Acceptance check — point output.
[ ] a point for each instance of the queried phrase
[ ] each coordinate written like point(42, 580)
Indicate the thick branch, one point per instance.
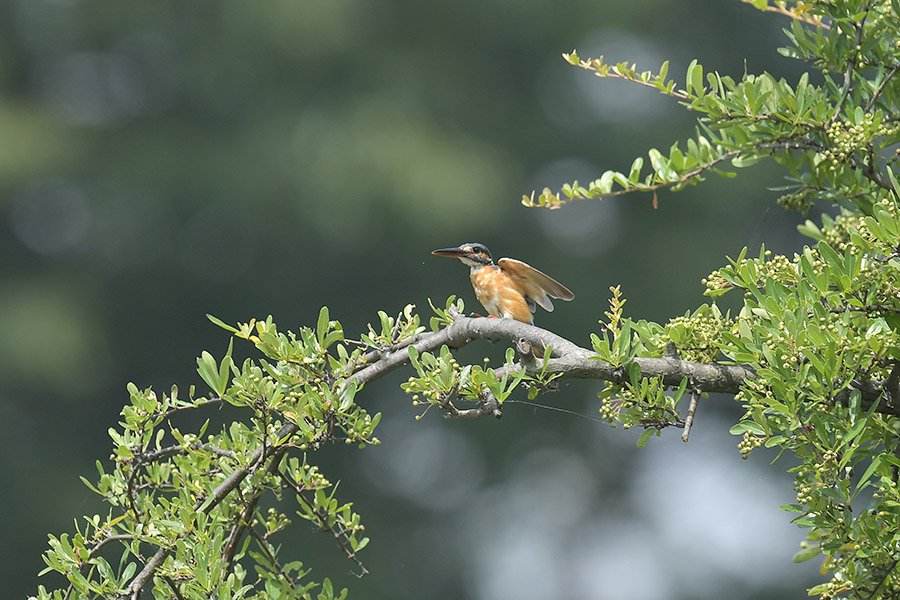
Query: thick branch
point(570, 360)
point(146, 574)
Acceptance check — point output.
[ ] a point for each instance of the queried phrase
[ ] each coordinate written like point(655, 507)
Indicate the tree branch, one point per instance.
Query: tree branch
point(148, 457)
point(568, 360)
point(207, 504)
point(146, 574)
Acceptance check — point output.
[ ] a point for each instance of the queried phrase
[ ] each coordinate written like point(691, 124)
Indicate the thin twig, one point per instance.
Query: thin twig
point(884, 577)
point(684, 178)
point(891, 386)
point(193, 406)
point(851, 65)
point(148, 457)
point(119, 537)
point(782, 143)
point(265, 548)
point(689, 419)
point(323, 523)
point(174, 587)
point(783, 10)
point(878, 90)
point(597, 66)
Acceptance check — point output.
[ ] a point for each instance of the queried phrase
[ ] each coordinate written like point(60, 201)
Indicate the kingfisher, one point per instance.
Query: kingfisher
point(510, 288)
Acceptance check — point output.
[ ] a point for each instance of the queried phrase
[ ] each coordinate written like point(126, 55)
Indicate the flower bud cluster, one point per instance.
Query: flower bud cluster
point(612, 408)
point(749, 443)
point(800, 201)
point(776, 266)
point(701, 335)
point(846, 138)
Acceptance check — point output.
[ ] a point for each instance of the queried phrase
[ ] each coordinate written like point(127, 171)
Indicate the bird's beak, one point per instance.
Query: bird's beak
point(452, 252)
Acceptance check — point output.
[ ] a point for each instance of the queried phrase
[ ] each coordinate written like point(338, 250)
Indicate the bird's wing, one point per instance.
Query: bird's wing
point(536, 286)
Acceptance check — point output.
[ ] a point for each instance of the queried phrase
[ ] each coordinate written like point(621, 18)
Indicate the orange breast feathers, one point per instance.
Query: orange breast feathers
point(512, 289)
point(499, 295)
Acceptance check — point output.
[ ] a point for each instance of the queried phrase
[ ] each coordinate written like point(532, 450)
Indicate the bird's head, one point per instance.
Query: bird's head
point(472, 254)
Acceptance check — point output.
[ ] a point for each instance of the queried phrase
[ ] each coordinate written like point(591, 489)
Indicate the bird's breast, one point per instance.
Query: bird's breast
point(499, 294)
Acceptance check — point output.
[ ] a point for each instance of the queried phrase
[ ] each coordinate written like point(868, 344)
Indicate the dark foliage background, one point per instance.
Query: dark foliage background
point(164, 160)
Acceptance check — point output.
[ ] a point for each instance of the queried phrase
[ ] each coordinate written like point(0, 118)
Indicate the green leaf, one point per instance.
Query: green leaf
point(833, 259)
point(221, 323)
point(349, 393)
point(634, 373)
point(322, 326)
point(90, 485)
point(864, 480)
point(775, 440)
point(807, 553)
point(224, 373)
point(811, 230)
point(634, 175)
point(645, 437)
point(605, 182)
point(206, 367)
point(743, 427)
point(746, 160)
point(694, 79)
point(893, 321)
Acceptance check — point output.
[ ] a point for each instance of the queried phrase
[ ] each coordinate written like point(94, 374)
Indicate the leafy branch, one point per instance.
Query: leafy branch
point(804, 127)
point(800, 11)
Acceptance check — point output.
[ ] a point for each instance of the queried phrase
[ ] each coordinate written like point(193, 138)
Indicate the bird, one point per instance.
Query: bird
point(510, 288)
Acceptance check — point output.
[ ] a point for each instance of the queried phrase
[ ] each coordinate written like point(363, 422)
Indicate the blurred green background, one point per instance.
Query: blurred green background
point(163, 160)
